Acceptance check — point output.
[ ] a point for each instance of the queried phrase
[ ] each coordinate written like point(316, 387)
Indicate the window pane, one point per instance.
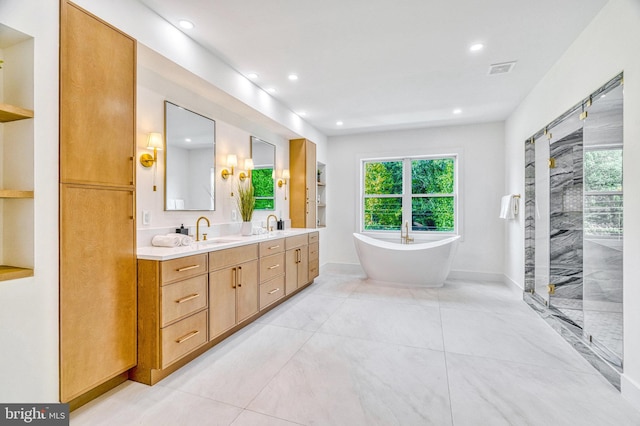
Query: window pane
point(382, 213)
point(432, 214)
point(603, 170)
point(264, 204)
point(383, 177)
point(603, 215)
point(432, 176)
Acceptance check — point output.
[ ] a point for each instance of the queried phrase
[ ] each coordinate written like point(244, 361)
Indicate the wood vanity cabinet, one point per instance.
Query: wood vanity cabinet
point(314, 255)
point(297, 262)
point(272, 272)
point(173, 311)
point(233, 287)
point(302, 185)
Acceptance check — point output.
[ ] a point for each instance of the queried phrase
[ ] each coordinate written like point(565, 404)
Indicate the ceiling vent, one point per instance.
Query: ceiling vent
point(501, 68)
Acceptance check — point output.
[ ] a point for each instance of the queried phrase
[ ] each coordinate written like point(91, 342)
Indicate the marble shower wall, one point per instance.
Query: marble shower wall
point(566, 223)
point(530, 216)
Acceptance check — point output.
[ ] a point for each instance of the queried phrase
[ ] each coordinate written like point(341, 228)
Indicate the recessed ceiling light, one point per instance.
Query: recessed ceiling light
point(271, 90)
point(603, 96)
point(457, 111)
point(339, 123)
point(252, 75)
point(187, 25)
point(187, 140)
point(293, 77)
point(476, 47)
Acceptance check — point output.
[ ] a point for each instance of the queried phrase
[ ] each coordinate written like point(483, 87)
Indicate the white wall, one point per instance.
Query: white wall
point(481, 187)
point(29, 306)
point(610, 44)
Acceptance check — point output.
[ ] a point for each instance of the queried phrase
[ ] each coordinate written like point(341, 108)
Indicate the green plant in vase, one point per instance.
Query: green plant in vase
point(246, 203)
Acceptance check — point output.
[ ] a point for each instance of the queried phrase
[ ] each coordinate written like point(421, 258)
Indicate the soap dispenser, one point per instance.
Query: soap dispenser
point(182, 230)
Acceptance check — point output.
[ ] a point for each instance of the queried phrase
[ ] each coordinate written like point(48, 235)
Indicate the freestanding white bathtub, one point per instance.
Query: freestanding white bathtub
point(424, 264)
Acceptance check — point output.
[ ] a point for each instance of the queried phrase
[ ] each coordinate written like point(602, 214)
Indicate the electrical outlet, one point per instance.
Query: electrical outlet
point(146, 217)
point(234, 215)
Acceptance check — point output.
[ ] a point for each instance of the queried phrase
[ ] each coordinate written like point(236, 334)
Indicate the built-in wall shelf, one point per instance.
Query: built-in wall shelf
point(12, 113)
point(13, 272)
point(321, 203)
point(12, 193)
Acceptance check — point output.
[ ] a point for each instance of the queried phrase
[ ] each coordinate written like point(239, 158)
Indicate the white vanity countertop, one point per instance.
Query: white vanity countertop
point(213, 244)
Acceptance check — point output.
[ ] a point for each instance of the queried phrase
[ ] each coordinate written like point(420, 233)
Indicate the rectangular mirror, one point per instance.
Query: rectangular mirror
point(190, 159)
point(263, 175)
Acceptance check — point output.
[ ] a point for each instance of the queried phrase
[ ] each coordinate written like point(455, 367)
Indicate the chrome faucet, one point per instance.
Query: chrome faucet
point(405, 238)
point(268, 219)
point(198, 228)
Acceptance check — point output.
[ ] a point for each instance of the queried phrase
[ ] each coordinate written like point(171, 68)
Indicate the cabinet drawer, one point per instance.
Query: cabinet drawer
point(314, 237)
point(223, 258)
point(271, 266)
point(314, 251)
point(271, 247)
point(183, 298)
point(182, 337)
point(297, 241)
point(184, 267)
point(271, 291)
point(314, 269)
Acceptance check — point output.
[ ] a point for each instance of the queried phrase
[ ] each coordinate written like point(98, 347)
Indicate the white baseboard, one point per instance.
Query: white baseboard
point(474, 275)
point(630, 390)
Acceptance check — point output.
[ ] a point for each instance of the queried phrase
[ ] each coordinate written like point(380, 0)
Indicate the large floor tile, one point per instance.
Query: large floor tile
point(336, 286)
point(510, 338)
point(340, 381)
point(136, 404)
point(307, 312)
point(410, 325)
point(251, 418)
point(235, 370)
point(489, 392)
point(483, 296)
point(396, 292)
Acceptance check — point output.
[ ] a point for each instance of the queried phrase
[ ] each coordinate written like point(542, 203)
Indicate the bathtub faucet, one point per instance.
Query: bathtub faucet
point(405, 238)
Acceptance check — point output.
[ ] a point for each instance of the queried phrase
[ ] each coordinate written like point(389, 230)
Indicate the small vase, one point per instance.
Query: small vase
point(246, 228)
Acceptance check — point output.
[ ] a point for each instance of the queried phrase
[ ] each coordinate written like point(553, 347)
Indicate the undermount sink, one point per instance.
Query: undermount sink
point(217, 241)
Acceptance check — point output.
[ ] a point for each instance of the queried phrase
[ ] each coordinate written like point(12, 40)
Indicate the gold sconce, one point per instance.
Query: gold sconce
point(232, 162)
point(248, 166)
point(283, 181)
point(154, 141)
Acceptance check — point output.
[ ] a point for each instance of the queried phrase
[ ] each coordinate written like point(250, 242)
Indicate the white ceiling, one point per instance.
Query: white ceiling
point(376, 64)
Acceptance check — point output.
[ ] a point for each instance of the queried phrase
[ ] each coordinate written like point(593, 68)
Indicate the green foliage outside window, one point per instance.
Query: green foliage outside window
point(431, 198)
point(262, 180)
point(603, 187)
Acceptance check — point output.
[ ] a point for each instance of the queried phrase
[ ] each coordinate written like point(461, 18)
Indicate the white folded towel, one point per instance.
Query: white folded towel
point(171, 240)
point(185, 240)
point(166, 241)
point(509, 207)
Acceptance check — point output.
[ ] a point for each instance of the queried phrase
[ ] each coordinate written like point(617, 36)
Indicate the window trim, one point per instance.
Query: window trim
point(407, 196)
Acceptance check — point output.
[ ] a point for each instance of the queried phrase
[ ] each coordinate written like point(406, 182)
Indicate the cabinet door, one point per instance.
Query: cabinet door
point(303, 266)
point(291, 279)
point(222, 301)
point(97, 101)
point(311, 177)
point(97, 287)
point(247, 290)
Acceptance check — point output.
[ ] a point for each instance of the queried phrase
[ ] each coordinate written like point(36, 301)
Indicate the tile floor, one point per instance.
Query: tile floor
point(347, 351)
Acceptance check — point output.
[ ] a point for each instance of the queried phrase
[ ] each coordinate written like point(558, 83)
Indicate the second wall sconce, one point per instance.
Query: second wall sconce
point(283, 181)
point(155, 142)
point(232, 162)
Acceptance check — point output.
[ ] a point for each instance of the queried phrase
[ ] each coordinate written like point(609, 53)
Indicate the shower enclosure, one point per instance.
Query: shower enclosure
point(574, 229)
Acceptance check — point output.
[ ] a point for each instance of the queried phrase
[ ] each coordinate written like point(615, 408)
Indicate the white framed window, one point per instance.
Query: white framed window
point(420, 190)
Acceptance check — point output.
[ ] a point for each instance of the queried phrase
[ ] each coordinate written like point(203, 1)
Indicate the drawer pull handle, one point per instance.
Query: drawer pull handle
point(274, 266)
point(187, 336)
point(274, 247)
point(274, 291)
point(187, 268)
point(187, 298)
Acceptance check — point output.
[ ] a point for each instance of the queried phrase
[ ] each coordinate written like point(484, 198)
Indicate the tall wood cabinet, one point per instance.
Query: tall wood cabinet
point(97, 205)
point(302, 186)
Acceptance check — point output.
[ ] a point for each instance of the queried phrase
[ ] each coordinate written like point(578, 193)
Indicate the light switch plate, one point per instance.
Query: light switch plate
point(146, 217)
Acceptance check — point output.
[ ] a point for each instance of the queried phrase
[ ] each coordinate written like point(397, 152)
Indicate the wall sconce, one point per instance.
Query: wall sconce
point(283, 181)
point(155, 142)
point(232, 162)
point(248, 166)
